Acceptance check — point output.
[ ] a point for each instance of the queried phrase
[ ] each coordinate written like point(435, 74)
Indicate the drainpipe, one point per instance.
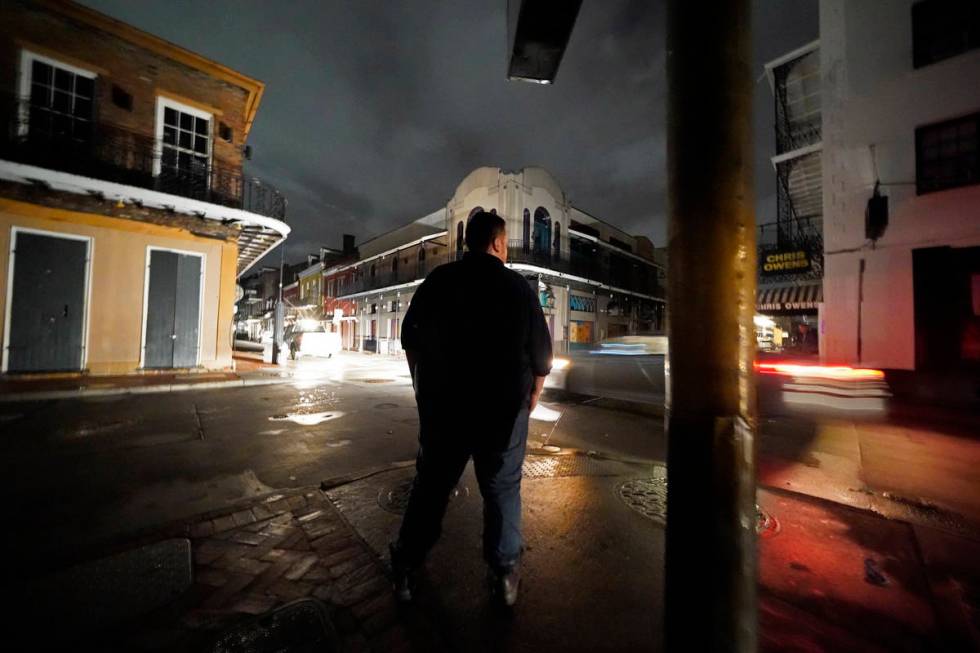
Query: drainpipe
point(710, 413)
point(278, 315)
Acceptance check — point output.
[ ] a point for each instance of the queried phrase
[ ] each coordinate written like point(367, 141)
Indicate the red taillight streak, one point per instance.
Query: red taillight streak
point(820, 371)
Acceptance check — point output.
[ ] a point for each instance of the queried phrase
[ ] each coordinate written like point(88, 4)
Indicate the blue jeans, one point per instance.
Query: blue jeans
point(439, 464)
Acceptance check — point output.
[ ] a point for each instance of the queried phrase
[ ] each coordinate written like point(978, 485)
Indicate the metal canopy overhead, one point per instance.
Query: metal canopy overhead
point(257, 233)
point(538, 32)
point(254, 242)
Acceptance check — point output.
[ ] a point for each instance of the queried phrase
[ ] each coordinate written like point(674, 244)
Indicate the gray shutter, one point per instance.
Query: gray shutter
point(187, 310)
point(160, 310)
point(47, 304)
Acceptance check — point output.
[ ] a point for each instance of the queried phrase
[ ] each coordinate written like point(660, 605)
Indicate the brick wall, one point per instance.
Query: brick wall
point(86, 204)
point(142, 73)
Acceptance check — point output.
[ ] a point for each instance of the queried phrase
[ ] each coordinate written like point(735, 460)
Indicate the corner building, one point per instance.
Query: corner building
point(594, 281)
point(125, 216)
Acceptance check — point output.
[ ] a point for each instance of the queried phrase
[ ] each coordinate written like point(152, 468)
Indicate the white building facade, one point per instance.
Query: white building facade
point(900, 90)
point(594, 281)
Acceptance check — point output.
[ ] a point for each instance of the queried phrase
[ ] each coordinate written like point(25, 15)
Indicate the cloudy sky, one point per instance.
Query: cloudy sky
point(375, 110)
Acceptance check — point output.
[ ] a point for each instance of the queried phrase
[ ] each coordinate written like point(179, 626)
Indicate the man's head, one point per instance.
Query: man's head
point(487, 232)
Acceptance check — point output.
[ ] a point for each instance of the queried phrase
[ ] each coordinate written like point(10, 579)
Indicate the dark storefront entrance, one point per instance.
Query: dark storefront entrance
point(47, 303)
point(947, 308)
point(173, 310)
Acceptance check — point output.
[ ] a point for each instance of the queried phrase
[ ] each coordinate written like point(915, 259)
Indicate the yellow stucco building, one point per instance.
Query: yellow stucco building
point(125, 218)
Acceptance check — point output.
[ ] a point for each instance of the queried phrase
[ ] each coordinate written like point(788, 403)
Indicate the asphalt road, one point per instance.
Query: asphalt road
point(87, 471)
point(90, 469)
point(94, 470)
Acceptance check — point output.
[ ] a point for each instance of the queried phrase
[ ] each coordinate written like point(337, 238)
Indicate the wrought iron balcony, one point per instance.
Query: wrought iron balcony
point(111, 153)
point(597, 264)
point(601, 265)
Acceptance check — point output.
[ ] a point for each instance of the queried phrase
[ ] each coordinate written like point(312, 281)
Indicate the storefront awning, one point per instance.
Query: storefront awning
point(796, 298)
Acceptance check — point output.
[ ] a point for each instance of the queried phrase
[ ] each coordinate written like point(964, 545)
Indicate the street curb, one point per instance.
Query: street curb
point(337, 481)
point(655, 409)
point(138, 390)
point(961, 527)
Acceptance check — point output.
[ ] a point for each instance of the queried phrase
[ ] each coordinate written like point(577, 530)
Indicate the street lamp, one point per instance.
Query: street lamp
point(537, 34)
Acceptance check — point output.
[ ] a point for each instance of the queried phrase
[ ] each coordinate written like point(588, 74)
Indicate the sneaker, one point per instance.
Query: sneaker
point(504, 584)
point(401, 574)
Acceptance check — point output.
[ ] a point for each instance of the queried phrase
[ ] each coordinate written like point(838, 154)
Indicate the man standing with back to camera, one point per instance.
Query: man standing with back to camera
point(478, 348)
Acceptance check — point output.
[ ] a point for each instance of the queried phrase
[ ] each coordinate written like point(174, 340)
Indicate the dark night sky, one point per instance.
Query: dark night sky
point(375, 110)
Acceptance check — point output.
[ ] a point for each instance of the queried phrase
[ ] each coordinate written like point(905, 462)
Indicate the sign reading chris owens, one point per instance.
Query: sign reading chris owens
point(777, 261)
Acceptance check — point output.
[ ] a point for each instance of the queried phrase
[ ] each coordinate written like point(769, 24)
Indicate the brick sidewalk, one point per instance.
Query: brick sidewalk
point(284, 548)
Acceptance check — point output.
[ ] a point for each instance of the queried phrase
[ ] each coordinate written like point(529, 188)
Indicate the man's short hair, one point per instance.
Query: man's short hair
point(482, 229)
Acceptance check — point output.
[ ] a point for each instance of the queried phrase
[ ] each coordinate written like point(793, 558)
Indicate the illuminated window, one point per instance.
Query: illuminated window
point(579, 303)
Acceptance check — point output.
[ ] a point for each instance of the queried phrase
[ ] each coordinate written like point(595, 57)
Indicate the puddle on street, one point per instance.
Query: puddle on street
point(316, 398)
point(306, 419)
point(544, 414)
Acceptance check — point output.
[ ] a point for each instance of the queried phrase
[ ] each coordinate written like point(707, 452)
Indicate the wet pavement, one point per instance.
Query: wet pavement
point(873, 540)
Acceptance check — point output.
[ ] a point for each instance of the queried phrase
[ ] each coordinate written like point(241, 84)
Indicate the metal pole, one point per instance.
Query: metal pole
point(710, 585)
point(279, 314)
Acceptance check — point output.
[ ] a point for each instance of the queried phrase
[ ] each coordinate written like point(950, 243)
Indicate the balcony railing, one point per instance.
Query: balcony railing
point(597, 264)
point(601, 265)
point(384, 276)
point(111, 153)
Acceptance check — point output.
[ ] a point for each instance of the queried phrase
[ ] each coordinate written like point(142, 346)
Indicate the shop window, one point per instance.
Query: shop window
point(580, 303)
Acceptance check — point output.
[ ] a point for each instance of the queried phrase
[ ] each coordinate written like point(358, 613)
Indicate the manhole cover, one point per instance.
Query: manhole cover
point(376, 380)
point(301, 626)
point(647, 496)
point(558, 466)
point(385, 406)
point(394, 498)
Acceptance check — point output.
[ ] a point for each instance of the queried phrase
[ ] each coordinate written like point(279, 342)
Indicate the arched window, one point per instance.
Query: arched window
point(557, 231)
point(372, 270)
point(421, 252)
point(527, 230)
point(542, 230)
point(394, 265)
point(459, 237)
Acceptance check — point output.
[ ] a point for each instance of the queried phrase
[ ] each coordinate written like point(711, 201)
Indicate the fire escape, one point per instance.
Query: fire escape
point(799, 222)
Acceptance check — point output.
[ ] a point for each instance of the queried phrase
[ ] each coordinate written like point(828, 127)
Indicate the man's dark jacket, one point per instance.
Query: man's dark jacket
point(478, 336)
